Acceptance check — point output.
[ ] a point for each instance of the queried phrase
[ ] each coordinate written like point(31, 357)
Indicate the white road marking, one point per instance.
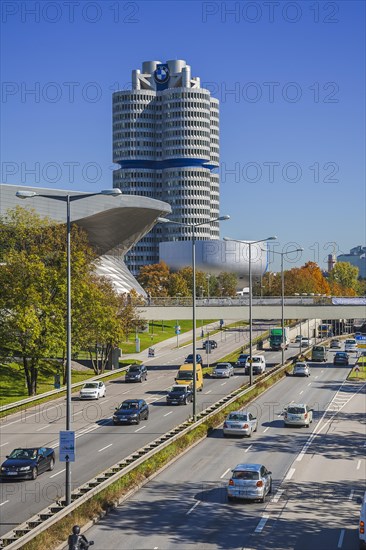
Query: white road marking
point(58, 473)
point(209, 391)
point(309, 384)
point(316, 377)
point(2, 445)
point(2, 503)
point(223, 384)
point(358, 465)
point(302, 391)
point(290, 473)
point(247, 449)
point(153, 400)
point(341, 537)
point(351, 495)
point(74, 414)
point(261, 524)
point(278, 495)
point(106, 447)
point(43, 428)
point(193, 507)
point(167, 414)
point(139, 429)
point(266, 430)
point(224, 474)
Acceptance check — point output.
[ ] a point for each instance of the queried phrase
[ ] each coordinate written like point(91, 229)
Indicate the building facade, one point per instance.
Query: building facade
point(357, 258)
point(166, 142)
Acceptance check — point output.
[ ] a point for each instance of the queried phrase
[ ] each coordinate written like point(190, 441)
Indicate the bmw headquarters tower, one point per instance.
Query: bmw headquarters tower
point(166, 142)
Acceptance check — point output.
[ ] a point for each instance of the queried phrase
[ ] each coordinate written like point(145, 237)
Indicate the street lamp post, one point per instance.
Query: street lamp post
point(250, 244)
point(193, 227)
point(283, 254)
point(67, 199)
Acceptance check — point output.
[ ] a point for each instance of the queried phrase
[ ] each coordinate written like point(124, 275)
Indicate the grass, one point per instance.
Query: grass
point(357, 375)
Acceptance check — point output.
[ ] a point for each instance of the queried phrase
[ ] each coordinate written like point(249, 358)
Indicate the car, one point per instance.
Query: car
point(298, 414)
point(350, 345)
point(335, 344)
point(258, 363)
point(301, 369)
point(136, 373)
point(189, 359)
point(341, 358)
point(211, 343)
point(131, 411)
point(242, 359)
point(92, 390)
point(240, 423)
point(28, 463)
point(180, 394)
point(223, 370)
point(298, 339)
point(249, 481)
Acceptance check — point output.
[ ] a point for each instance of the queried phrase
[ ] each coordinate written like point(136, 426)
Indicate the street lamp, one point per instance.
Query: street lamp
point(68, 199)
point(193, 228)
point(283, 254)
point(250, 244)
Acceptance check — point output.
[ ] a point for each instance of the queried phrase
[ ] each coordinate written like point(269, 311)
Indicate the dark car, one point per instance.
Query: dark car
point(179, 394)
point(131, 411)
point(189, 359)
point(28, 463)
point(211, 343)
point(136, 373)
point(341, 358)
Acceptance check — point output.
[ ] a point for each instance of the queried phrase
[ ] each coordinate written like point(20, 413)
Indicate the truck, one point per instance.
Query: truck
point(275, 338)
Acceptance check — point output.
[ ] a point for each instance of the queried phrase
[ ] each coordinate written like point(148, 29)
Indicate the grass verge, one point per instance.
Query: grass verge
point(355, 375)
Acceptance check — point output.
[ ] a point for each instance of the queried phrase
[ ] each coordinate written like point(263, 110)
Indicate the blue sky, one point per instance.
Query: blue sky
point(289, 76)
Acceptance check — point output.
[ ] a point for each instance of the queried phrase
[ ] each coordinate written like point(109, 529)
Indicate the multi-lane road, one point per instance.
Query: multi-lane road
point(318, 474)
point(100, 444)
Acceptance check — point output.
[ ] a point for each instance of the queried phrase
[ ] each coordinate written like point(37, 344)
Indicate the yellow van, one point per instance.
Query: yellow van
point(185, 375)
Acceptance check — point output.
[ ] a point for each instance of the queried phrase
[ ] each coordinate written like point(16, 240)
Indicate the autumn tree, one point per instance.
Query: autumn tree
point(178, 285)
point(344, 279)
point(154, 278)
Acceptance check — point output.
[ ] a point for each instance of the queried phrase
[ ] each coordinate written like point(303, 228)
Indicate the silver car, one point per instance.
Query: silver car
point(301, 369)
point(298, 414)
point(249, 481)
point(240, 423)
point(223, 370)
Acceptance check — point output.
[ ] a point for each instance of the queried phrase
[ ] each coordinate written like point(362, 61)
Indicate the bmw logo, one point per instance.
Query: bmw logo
point(161, 74)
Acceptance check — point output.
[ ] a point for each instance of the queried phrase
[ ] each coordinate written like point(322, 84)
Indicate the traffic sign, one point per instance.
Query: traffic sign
point(361, 341)
point(356, 369)
point(67, 446)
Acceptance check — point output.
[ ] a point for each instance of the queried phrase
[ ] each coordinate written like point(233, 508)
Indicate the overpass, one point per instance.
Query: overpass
point(164, 309)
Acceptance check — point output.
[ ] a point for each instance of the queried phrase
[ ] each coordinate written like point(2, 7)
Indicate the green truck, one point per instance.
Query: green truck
point(275, 338)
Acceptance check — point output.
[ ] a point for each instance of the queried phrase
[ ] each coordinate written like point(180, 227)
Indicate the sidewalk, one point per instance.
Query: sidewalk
point(171, 343)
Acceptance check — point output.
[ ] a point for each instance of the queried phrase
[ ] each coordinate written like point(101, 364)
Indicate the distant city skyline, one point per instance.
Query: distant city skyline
point(292, 138)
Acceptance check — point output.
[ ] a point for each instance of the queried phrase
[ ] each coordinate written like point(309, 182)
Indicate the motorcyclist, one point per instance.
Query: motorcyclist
point(77, 541)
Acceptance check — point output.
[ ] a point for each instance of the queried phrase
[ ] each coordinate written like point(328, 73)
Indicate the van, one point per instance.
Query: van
point(185, 375)
point(362, 526)
point(319, 353)
point(258, 362)
point(350, 345)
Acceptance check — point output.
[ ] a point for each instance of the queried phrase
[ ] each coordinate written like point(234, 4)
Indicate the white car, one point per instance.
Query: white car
point(298, 414)
point(92, 390)
point(258, 362)
point(350, 345)
point(240, 423)
point(223, 370)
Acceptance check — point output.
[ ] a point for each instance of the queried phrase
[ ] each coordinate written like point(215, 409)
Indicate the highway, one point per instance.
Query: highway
point(316, 480)
point(99, 443)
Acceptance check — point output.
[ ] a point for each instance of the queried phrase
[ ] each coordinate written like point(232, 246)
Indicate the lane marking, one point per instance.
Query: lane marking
point(223, 384)
point(2, 503)
point(43, 428)
point(261, 524)
point(309, 384)
point(278, 495)
point(247, 449)
point(224, 474)
point(139, 429)
point(266, 430)
point(341, 537)
point(290, 473)
point(209, 391)
point(106, 447)
point(351, 495)
point(358, 465)
point(302, 391)
point(167, 414)
point(193, 507)
point(58, 473)
point(2, 445)
point(316, 377)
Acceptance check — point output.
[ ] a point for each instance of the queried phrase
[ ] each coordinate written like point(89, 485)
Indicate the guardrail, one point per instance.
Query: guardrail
point(61, 390)
point(28, 530)
point(306, 299)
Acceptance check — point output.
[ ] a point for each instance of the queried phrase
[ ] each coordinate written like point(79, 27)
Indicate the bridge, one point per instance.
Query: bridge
point(296, 307)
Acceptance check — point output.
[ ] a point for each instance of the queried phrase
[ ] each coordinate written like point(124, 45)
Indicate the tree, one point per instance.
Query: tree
point(154, 278)
point(178, 285)
point(227, 283)
point(345, 275)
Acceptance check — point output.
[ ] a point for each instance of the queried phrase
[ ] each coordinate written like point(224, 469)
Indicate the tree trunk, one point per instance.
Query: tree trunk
point(27, 375)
